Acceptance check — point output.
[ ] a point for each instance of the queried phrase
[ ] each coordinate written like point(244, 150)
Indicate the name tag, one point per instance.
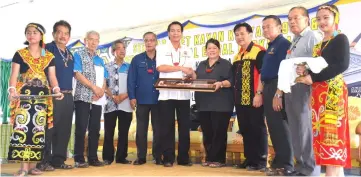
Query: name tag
point(185, 54)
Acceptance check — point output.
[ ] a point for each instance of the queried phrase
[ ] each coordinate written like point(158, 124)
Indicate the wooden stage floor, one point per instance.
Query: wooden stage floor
point(149, 169)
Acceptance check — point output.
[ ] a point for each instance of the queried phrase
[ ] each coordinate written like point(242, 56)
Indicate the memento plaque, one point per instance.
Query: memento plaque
point(199, 85)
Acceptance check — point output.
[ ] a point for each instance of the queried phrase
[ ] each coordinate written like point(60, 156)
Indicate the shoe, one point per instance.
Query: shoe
point(158, 161)
point(124, 161)
point(45, 167)
point(205, 164)
point(107, 162)
point(168, 164)
point(256, 168)
point(216, 165)
point(271, 172)
point(292, 173)
point(96, 163)
point(187, 164)
point(81, 165)
point(242, 165)
point(288, 173)
point(63, 166)
point(139, 162)
point(300, 174)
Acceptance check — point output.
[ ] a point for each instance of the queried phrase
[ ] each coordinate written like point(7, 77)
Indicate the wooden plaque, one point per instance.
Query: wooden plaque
point(199, 85)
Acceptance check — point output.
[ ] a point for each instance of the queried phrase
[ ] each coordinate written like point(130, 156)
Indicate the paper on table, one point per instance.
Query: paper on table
point(287, 71)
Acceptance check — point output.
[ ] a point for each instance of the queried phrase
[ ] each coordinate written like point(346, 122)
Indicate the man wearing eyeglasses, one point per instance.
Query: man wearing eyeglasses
point(142, 76)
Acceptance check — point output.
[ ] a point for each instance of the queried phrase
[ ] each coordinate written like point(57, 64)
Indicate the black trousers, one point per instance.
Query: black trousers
point(214, 127)
point(167, 130)
point(110, 120)
point(87, 116)
point(141, 139)
point(57, 138)
point(278, 129)
point(252, 127)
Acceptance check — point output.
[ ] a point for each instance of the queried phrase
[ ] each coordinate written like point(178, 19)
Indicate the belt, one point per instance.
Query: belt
point(66, 91)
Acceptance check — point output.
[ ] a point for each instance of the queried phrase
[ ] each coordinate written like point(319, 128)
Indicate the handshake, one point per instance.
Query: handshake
point(186, 70)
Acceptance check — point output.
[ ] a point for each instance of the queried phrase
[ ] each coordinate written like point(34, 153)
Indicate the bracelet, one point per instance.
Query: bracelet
point(56, 87)
point(11, 87)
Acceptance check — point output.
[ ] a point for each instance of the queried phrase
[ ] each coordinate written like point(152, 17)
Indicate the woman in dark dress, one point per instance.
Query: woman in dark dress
point(30, 116)
point(215, 108)
point(331, 139)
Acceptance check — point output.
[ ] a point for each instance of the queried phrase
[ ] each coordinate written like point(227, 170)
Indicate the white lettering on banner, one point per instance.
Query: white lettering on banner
point(196, 38)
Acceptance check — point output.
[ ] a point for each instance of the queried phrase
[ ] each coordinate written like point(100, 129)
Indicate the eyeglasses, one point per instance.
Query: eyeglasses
point(149, 40)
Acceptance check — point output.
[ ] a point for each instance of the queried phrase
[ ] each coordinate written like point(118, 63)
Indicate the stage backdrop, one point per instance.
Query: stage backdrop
point(196, 35)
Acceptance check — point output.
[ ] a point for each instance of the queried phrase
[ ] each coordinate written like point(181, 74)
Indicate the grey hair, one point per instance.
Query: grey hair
point(91, 32)
point(114, 45)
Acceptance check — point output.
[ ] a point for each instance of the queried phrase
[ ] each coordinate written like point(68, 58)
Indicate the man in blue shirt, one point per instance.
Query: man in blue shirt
point(143, 95)
point(274, 112)
point(57, 138)
point(117, 107)
point(89, 97)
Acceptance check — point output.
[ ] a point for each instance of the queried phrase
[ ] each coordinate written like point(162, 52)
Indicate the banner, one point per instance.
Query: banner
point(196, 35)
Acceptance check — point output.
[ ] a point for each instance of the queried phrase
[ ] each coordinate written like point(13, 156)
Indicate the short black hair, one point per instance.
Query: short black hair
point(304, 12)
point(274, 17)
point(149, 32)
point(61, 23)
point(175, 23)
point(303, 9)
point(119, 41)
point(244, 24)
point(213, 41)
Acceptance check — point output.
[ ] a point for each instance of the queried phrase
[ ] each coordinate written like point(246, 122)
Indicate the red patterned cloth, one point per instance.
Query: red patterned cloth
point(331, 140)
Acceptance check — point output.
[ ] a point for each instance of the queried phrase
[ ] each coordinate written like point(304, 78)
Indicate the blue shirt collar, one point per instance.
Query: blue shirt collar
point(147, 57)
point(276, 39)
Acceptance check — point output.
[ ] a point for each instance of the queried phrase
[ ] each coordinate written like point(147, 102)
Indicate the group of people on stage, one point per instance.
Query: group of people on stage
point(310, 123)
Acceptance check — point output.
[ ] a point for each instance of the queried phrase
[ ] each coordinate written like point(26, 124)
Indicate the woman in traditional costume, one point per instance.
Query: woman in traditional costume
point(330, 126)
point(29, 116)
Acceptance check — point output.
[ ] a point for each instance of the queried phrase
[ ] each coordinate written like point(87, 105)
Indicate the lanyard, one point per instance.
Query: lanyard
point(151, 69)
point(293, 46)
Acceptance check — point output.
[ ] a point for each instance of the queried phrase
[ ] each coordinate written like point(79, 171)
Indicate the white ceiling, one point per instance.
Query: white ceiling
point(118, 18)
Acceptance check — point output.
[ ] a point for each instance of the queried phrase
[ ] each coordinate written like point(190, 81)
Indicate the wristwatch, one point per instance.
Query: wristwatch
point(259, 92)
point(278, 95)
